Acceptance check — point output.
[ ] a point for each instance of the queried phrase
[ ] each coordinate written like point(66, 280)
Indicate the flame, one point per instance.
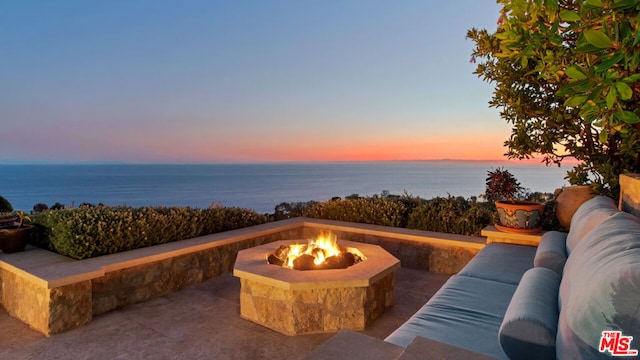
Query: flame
point(322, 247)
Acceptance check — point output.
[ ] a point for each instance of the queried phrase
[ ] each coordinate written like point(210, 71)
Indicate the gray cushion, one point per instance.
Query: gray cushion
point(466, 312)
point(600, 289)
point(529, 328)
point(501, 262)
point(552, 252)
point(590, 214)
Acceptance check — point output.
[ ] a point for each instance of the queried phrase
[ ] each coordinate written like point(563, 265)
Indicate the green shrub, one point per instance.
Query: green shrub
point(453, 215)
point(39, 207)
point(368, 210)
point(290, 210)
point(409, 202)
point(91, 231)
point(5, 205)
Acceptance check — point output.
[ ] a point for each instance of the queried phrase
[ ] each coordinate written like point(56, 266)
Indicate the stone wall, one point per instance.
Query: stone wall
point(439, 255)
point(25, 300)
point(47, 310)
point(310, 311)
point(69, 292)
point(69, 307)
point(144, 282)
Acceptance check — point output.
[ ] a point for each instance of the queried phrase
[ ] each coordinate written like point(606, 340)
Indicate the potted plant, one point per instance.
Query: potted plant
point(15, 237)
point(516, 215)
point(7, 219)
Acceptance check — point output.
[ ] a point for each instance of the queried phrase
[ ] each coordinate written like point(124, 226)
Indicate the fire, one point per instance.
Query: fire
point(321, 248)
point(322, 252)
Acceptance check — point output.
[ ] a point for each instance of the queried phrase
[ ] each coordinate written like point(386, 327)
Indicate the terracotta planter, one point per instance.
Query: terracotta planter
point(8, 221)
point(15, 239)
point(523, 217)
point(568, 200)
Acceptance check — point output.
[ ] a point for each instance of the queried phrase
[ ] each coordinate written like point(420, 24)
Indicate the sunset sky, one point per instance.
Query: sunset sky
point(243, 81)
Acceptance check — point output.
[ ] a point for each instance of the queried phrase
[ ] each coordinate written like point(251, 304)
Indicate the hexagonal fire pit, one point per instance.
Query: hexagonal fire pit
point(295, 302)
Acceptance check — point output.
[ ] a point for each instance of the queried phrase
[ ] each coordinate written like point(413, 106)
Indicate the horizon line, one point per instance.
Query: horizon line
point(120, 162)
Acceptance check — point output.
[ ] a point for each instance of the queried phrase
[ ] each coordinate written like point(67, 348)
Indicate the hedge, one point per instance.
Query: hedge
point(454, 215)
point(90, 231)
point(94, 231)
point(375, 210)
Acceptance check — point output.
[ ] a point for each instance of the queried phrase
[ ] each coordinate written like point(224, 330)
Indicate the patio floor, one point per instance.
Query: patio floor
point(199, 322)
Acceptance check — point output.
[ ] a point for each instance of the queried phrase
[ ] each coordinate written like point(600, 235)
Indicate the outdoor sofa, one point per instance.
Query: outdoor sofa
point(545, 302)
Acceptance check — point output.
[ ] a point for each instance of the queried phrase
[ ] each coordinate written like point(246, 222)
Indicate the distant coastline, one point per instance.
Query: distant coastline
point(43, 163)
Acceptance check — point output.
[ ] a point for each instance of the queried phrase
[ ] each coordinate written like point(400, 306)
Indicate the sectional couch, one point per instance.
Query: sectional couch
point(545, 302)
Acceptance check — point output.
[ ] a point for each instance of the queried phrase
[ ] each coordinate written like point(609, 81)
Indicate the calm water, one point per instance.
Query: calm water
point(257, 186)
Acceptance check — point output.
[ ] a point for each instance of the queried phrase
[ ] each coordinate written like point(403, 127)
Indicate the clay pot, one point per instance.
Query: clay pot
point(8, 221)
point(15, 239)
point(568, 200)
point(522, 217)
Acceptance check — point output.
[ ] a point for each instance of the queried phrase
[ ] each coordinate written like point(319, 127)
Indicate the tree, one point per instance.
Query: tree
point(567, 79)
point(5, 205)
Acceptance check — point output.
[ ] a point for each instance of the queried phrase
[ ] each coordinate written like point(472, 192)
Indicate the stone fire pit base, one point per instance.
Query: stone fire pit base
point(296, 302)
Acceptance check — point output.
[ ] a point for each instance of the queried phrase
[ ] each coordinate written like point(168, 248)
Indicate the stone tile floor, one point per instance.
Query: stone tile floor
point(199, 322)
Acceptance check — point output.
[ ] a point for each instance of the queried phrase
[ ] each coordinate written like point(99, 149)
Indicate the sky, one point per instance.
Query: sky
point(155, 81)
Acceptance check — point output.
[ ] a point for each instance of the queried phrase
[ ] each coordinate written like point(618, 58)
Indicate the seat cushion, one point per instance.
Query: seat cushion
point(529, 328)
point(593, 212)
point(552, 252)
point(501, 262)
point(600, 289)
point(466, 312)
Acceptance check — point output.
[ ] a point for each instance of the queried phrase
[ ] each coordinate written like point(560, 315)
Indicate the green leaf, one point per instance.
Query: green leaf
point(607, 64)
point(567, 15)
point(597, 38)
point(576, 87)
point(625, 32)
point(624, 4)
point(636, 39)
point(584, 47)
point(635, 61)
point(575, 101)
point(528, 51)
point(631, 79)
point(589, 113)
point(603, 136)
point(625, 91)
point(551, 5)
point(630, 117)
point(575, 72)
point(590, 5)
point(612, 96)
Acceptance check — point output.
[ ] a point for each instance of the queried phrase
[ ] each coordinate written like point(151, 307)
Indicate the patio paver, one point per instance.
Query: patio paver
point(199, 322)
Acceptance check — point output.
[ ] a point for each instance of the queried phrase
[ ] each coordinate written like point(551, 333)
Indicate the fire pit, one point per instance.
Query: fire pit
point(295, 302)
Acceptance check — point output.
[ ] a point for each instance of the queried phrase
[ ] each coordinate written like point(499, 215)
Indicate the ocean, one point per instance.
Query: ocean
point(256, 186)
